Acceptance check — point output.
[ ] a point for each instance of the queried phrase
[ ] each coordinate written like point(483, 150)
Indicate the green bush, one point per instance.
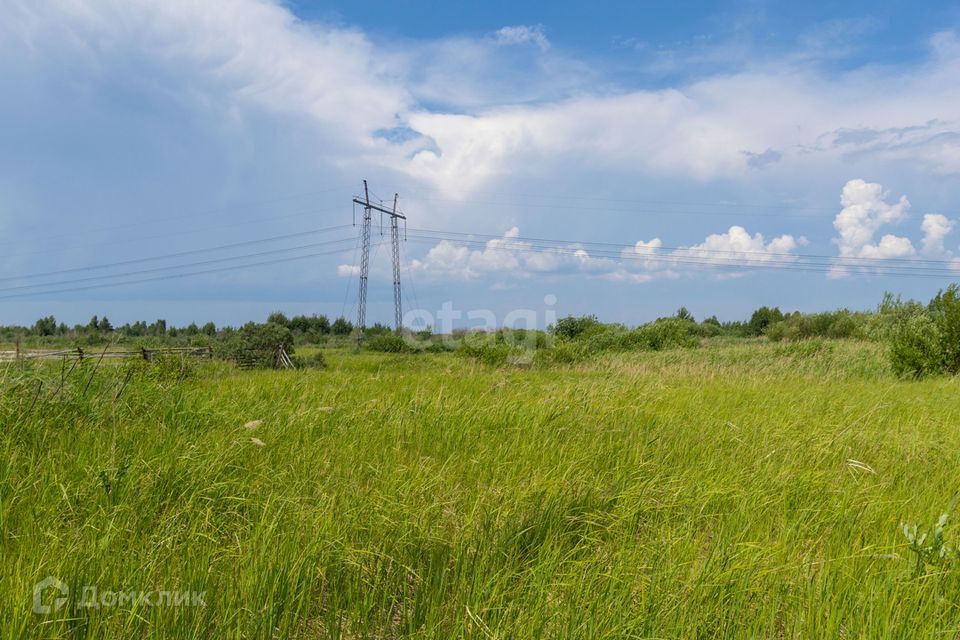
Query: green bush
point(255, 345)
point(709, 328)
point(662, 334)
point(762, 318)
point(560, 353)
point(488, 349)
point(315, 360)
point(829, 324)
point(915, 346)
point(341, 327)
point(667, 333)
point(162, 367)
point(389, 343)
point(378, 329)
point(571, 327)
point(945, 312)
point(925, 341)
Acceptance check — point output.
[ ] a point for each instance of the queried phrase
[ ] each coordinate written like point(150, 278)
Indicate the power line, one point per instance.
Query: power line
point(192, 216)
point(126, 241)
point(708, 262)
point(440, 236)
point(346, 293)
point(172, 267)
point(733, 209)
point(177, 275)
point(660, 257)
point(714, 263)
point(174, 255)
point(567, 197)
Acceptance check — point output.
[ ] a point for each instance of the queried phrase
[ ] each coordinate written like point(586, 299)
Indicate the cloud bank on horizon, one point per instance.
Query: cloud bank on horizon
point(485, 112)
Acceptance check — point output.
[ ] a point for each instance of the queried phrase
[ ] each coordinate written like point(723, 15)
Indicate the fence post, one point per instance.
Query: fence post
point(80, 353)
point(210, 352)
point(18, 348)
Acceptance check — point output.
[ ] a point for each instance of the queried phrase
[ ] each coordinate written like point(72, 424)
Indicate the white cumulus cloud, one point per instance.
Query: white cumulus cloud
point(865, 211)
point(642, 262)
point(935, 228)
point(522, 34)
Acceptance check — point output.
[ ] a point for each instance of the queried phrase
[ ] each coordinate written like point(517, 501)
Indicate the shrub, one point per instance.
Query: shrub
point(255, 345)
point(763, 317)
point(313, 325)
point(441, 346)
point(661, 334)
point(945, 312)
point(315, 360)
point(163, 367)
point(845, 325)
point(528, 338)
point(341, 327)
point(926, 340)
point(389, 343)
point(708, 329)
point(776, 331)
point(277, 317)
point(830, 324)
point(560, 353)
point(881, 324)
point(488, 352)
point(668, 332)
point(915, 346)
point(571, 327)
point(377, 329)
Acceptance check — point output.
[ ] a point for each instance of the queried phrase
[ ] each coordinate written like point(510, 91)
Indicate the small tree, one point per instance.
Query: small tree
point(158, 328)
point(45, 326)
point(341, 327)
point(321, 324)
point(277, 317)
point(378, 329)
point(762, 318)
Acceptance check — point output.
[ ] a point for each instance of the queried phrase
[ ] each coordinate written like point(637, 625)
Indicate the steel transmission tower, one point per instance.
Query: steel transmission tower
point(364, 264)
point(368, 209)
point(395, 243)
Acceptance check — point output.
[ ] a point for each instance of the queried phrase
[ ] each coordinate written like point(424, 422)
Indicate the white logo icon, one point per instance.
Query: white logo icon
point(58, 602)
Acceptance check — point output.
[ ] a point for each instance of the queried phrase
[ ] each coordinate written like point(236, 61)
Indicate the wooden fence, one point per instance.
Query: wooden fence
point(79, 353)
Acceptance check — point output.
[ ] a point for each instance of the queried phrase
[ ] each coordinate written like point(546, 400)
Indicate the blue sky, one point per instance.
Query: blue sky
point(681, 131)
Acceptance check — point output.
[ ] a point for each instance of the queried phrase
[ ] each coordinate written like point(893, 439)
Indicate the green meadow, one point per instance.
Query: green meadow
point(743, 488)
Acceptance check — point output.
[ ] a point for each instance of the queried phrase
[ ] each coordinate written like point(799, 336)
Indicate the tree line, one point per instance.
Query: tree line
point(308, 328)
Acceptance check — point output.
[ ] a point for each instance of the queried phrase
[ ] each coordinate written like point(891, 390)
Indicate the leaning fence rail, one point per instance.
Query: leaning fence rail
point(80, 354)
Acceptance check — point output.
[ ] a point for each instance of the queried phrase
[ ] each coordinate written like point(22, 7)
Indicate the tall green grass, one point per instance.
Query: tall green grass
point(740, 489)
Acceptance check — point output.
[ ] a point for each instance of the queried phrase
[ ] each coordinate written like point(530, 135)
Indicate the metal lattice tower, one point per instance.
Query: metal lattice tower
point(395, 242)
point(364, 264)
point(368, 209)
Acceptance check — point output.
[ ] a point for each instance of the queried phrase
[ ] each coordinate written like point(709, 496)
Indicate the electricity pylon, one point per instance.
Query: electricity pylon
point(368, 209)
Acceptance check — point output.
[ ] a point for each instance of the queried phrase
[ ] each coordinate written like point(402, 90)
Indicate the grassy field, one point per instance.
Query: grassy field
point(742, 489)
